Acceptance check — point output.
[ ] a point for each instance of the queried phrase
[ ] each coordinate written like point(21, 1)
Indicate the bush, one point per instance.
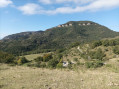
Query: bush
point(60, 56)
point(105, 43)
point(96, 44)
point(6, 58)
point(47, 57)
point(42, 65)
point(84, 55)
point(74, 44)
point(94, 64)
point(116, 49)
point(75, 59)
point(22, 60)
point(53, 63)
point(112, 43)
point(99, 54)
point(39, 59)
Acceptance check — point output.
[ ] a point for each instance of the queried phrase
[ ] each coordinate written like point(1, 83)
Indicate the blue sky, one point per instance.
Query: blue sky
point(33, 15)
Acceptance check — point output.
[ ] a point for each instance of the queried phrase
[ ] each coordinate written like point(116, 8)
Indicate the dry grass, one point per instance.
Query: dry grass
point(33, 56)
point(20, 77)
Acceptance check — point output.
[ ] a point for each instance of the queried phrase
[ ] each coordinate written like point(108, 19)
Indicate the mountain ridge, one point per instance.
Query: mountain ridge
point(55, 38)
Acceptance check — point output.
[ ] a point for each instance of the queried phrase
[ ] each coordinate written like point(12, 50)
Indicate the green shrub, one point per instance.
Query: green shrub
point(60, 56)
point(116, 49)
point(112, 43)
point(99, 54)
point(47, 57)
point(53, 63)
point(39, 59)
point(75, 59)
point(96, 44)
point(105, 43)
point(60, 65)
point(93, 64)
point(6, 58)
point(84, 55)
point(75, 44)
point(22, 60)
point(42, 65)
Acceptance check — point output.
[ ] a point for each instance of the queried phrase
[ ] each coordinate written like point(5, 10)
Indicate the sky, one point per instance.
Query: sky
point(34, 15)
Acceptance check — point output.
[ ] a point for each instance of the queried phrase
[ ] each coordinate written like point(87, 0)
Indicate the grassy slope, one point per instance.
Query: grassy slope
point(20, 77)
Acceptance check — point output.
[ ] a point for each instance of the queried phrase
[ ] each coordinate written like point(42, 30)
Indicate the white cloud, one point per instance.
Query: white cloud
point(4, 3)
point(45, 1)
point(30, 9)
point(88, 5)
point(64, 1)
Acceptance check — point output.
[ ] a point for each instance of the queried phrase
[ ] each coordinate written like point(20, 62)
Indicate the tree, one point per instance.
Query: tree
point(6, 58)
point(47, 57)
point(96, 44)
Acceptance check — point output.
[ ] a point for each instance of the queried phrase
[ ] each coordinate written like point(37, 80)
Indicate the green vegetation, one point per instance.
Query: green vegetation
point(94, 64)
point(55, 38)
point(116, 49)
point(99, 54)
point(106, 43)
point(6, 58)
point(47, 57)
point(47, 61)
point(81, 49)
point(22, 60)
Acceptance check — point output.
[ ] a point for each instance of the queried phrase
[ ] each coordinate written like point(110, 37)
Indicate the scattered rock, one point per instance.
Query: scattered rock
point(82, 80)
point(115, 84)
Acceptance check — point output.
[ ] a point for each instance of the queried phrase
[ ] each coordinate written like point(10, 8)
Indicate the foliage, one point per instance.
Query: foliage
point(53, 63)
point(76, 59)
point(96, 44)
point(39, 59)
point(22, 60)
point(75, 44)
point(6, 58)
point(94, 64)
point(116, 49)
point(59, 56)
point(47, 57)
point(99, 54)
point(112, 42)
point(55, 38)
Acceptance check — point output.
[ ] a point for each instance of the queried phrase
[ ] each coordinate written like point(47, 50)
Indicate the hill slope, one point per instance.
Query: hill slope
point(55, 38)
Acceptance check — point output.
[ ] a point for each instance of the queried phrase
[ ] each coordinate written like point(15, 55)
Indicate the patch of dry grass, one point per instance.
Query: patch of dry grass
point(20, 77)
point(33, 56)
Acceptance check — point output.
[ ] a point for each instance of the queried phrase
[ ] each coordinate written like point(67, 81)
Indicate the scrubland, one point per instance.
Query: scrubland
point(22, 77)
